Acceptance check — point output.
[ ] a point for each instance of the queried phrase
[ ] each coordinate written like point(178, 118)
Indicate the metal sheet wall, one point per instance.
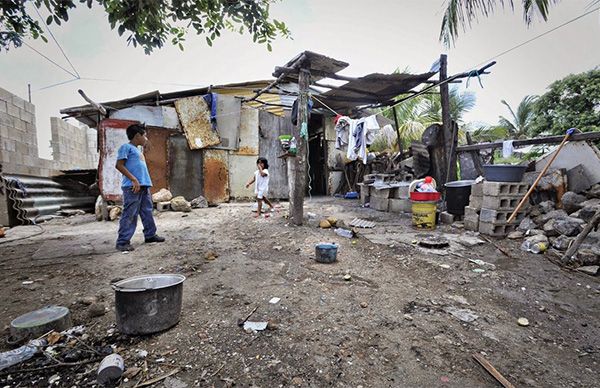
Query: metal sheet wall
point(185, 167)
point(270, 128)
point(216, 176)
point(157, 156)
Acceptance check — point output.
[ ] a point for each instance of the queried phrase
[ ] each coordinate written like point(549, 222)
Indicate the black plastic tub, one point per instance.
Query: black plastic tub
point(457, 196)
point(503, 172)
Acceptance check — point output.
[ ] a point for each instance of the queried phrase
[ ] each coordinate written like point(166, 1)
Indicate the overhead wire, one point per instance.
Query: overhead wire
point(50, 60)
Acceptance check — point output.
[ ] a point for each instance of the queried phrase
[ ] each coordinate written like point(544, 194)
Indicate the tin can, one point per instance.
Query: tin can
point(111, 369)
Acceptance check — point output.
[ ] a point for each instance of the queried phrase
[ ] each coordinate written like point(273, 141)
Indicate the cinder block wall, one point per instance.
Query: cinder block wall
point(73, 147)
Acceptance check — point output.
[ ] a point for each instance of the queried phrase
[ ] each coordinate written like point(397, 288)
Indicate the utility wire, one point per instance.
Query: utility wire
point(56, 41)
point(50, 60)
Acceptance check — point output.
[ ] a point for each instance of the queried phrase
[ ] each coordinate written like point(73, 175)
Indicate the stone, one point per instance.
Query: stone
point(96, 310)
point(210, 255)
point(535, 232)
point(364, 305)
point(523, 322)
point(114, 213)
point(594, 191)
point(561, 243)
point(589, 269)
point(549, 229)
point(162, 195)
point(88, 300)
point(568, 226)
point(179, 204)
point(577, 179)
point(324, 224)
point(171, 382)
point(446, 218)
point(526, 224)
point(587, 257)
point(553, 214)
point(546, 206)
point(587, 213)
point(332, 221)
point(347, 277)
point(572, 201)
point(517, 234)
point(199, 203)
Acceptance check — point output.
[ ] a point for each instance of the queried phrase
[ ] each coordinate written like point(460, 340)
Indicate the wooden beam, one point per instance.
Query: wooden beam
point(346, 88)
point(491, 370)
point(539, 140)
point(279, 71)
point(568, 257)
point(98, 107)
point(447, 130)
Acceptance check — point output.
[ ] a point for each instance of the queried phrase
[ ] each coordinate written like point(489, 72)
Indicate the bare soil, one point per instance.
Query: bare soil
point(388, 326)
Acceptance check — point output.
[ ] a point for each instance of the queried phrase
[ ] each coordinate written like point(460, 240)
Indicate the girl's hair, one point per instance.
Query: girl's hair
point(264, 161)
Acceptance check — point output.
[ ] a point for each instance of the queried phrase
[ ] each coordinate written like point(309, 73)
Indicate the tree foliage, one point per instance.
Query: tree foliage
point(519, 124)
point(573, 101)
point(148, 23)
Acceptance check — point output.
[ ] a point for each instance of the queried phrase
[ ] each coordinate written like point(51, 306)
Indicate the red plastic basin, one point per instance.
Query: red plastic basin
point(417, 196)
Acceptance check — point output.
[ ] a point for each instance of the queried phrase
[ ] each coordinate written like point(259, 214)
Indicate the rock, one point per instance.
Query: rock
point(162, 195)
point(526, 224)
point(554, 214)
point(546, 206)
point(523, 322)
point(114, 212)
point(88, 300)
point(98, 208)
point(594, 191)
point(324, 224)
point(589, 269)
point(568, 226)
point(364, 305)
point(587, 257)
point(199, 203)
point(572, 201)
point(96, 310)
point(561, 243)
point(297, 381)
point(464, 315)
point(549, 229)
point(587, 213)
point(347, 277)
point(535, 232)
point(408, 317)
point(210, 255)
point(332, 221)
point(517, 234)
point(535, 211)
point(172, 382)
point(179, 204)
point(277, 247)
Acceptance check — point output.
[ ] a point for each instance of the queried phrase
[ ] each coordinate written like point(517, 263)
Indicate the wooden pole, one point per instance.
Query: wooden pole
point(446, 120)
point(475, 155)
point(297, 165)
point(493, 371)
point(29, 91)
point(514, 213)
point(397, 130)
point(575, 246)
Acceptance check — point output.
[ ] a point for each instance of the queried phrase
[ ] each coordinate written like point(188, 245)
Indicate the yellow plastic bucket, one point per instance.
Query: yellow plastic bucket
point(423, 214)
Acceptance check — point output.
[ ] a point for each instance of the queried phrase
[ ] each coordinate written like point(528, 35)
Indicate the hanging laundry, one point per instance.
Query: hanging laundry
point(507, 148)
point(342, 131)
point(211, 100)
point(372, 129)
point(357, 144)
point(294, 114)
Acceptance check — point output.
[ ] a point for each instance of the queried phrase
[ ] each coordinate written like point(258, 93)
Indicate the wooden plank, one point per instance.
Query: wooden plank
point(540, 140)
point(491, 370)
point(270, 127)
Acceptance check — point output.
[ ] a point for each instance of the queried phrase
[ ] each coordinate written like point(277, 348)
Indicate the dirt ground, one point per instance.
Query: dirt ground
point(390, 325)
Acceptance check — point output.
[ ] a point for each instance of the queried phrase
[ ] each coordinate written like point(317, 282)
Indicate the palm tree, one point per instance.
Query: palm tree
point(519, 124)
point(461, 13)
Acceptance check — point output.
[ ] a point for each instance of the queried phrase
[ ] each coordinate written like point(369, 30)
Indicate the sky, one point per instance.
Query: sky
point(374, 36)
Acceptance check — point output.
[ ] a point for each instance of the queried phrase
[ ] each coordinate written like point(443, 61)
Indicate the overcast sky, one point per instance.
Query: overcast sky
point(372, 36)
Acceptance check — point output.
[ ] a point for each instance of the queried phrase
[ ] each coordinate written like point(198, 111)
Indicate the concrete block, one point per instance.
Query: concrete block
point(6, 119)
point(381, 204)
point(496, 230)
point(400, 205)
point(365, 193)
point(471, 211)
point(501, 203)
point(471, 223)
point(3, 107)
point(401, 192)
point(13, 111)
point(163, 206)
point(26, 116)
point(498, 216)
point(505, 189)
point(380, 193)
point(477, 189)
point(29, 107)
point(18, 102)
point(475, 202)
point(447, 218)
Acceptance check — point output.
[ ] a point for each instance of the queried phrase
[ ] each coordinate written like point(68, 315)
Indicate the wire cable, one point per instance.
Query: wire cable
point(50, 60)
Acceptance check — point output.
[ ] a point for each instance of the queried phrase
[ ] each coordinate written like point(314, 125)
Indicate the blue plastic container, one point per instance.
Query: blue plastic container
point(326, 253)
point(351, 195)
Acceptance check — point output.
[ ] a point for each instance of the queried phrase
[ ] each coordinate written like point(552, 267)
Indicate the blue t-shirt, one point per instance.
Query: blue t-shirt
point(135, 163)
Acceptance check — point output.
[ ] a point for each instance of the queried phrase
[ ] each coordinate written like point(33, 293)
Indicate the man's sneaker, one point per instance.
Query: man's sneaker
point(125, 248)
point(154, 239)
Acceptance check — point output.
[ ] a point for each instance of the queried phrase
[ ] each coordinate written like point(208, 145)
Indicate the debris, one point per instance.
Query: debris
point(483, 263)
point(535, 244)
point(408, 317)
point(360, 223)
point(434, 242)
point(568, 226)
point(364, 305)
point(324, 224)
point(255, 326)
point(464, 315)
point(584, 233)
point(479, 270)
point(344, 233)
point(526, 224)
point(53, 338)
point(516, 235)
point(53, 379)
point(96, 310)
point(332, 221)
point(114, 212)
point(111, 368)
point(141, 354)
point(523, 322)
point(162, 195)
point(132, 372)
point(210, 255)
point(589, 269)
point(491, 370)
point(160, 378)
point(347, 277)
point(199, 203)
point(445, 266)
point(274, 300)
point(562, 243)
point(277, 247)
point(546, 206)
point(27, 282)
point(572, 201)
point(242, 321)
point(39, 322)
point(179, 204)
point(19, 355)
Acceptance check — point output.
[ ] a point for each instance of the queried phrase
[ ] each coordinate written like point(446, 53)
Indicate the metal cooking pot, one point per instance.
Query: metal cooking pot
point(148, 304)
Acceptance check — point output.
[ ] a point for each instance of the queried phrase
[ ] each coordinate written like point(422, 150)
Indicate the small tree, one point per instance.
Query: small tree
point(573, 101)
point(149, 23)
point(519, 125)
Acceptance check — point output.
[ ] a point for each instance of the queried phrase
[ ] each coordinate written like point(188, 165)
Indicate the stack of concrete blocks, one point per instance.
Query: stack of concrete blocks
point(388, 198)
point(498, 203)
point(380, 198)
point(471, 218)
point(399, 199)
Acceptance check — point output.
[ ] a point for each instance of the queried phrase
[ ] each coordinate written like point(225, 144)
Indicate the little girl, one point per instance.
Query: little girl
point(261, 184)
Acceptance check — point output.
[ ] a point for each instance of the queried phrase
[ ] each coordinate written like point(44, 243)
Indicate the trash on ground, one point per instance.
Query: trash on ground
point(360, 223)
point(347, 277)
point(445, 266)
point(523, 322)
point(483, 263)
point(111, 368)
point(326, 253)
point(434, 242)
point(589, 269)
point(478, 270)
point(210, 255)
point(255, 326)
point(39, 322)
point(344, 233)
point(23, 353)
point(464, 315)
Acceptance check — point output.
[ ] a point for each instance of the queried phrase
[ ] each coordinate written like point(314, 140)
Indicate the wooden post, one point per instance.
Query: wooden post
point(297, 165)
point(566, 259)
point(397, 130)
point(475, 155)
point(447, 132)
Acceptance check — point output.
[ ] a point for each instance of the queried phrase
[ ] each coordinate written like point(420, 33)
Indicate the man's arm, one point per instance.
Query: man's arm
point(123, 170)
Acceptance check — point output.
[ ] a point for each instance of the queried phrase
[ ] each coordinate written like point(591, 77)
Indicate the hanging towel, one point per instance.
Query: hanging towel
point(507, 148)
point(342, 129)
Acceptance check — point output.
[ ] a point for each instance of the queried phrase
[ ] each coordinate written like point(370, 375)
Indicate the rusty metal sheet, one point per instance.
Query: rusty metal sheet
point(248, 144)
point(112, 135)
point(194, 115)
point(157, 157)
point(229, 109)
point(185, 167)
point(215, 170)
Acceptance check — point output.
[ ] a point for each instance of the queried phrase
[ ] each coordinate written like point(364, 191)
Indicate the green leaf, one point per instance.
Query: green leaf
point(180, 46)
point(49, 20)
point(208, 41)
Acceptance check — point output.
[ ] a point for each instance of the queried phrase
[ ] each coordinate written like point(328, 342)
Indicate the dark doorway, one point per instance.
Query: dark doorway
point(317, 165)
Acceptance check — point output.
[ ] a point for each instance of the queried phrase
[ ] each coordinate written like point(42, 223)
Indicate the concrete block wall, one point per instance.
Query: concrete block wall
point(19, 146)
